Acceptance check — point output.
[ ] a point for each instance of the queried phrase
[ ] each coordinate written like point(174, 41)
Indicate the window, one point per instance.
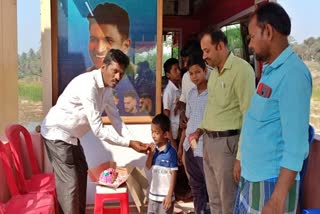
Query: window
point(305, 40)
point(234, 39)
point(29, 64)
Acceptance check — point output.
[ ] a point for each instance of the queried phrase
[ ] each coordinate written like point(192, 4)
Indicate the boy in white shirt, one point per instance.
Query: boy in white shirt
point(171, 94)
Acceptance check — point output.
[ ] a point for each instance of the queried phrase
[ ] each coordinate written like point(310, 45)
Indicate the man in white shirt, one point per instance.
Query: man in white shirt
point(79, 109)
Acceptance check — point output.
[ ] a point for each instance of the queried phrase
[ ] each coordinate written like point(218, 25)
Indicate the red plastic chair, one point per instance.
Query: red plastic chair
point(39, 182)
point(31, 203)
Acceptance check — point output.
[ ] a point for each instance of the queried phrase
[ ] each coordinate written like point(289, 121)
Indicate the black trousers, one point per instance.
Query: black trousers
point(70, 170)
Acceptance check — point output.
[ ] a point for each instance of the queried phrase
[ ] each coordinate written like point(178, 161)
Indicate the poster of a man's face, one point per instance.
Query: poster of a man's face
point(87, 30)
point(108, 28)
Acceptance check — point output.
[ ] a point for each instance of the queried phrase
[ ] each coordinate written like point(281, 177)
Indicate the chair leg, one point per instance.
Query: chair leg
point(100, 198)
point(98, 204)
point(124, 204)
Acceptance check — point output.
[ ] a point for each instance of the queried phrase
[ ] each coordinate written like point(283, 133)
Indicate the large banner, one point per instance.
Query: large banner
point(88, 29)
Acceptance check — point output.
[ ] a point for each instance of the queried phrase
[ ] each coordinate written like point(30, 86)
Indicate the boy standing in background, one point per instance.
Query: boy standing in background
point(196, 103)
point(171, 95)
point(162, 158)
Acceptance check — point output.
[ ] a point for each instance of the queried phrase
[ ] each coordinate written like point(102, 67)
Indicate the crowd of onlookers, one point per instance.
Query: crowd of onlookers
point(241, 146)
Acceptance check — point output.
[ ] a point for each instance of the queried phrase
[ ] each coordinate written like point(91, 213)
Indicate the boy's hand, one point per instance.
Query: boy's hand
point(180, 151)
point(183, 120)
point(152, 148)
point(236, 171)
point(177, 108)
point(167, 202)
point(196, 135)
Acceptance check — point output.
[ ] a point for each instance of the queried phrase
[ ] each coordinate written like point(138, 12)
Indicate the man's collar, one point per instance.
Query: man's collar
point(168, 146)
point(172, 85)
point(228, 63)
point(278, 61)
point(98, 77)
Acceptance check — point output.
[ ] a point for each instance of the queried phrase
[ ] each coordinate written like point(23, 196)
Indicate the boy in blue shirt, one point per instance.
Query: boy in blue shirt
point(195, 107)
point(162, 158)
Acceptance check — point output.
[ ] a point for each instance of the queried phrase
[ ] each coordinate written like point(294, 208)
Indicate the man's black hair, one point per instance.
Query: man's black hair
point(163, 121)
point(169, 63)
point(196, 60)
point(191, 47)
point(272, 13)
point(109, 13)
point(117, 56)
point(216, 35)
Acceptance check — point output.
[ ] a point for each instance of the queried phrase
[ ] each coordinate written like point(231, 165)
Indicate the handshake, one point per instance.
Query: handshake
point(140, 147)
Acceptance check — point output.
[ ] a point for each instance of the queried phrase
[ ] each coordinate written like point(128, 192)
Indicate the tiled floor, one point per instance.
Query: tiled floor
point(180, 207)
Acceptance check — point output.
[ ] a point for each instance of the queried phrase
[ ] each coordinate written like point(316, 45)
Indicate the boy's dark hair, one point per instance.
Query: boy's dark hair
point(196, 60)
point(117, 56)
point(216, 35)
point(272, 13)
point(163, 121)
point(109, 13)
point(169, 63)
point(192, 47)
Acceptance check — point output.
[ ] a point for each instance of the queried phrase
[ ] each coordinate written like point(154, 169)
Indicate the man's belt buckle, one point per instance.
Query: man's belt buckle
point(216, 134)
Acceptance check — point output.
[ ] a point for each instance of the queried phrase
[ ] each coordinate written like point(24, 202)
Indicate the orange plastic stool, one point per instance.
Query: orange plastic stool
point(109, 194)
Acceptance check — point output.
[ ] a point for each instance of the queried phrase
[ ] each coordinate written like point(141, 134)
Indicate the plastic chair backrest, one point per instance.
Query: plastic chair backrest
point(13, 133)
point(311, 134)
point(6, 165)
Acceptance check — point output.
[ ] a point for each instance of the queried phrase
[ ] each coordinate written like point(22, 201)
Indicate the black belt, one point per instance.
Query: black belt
point(227, 133)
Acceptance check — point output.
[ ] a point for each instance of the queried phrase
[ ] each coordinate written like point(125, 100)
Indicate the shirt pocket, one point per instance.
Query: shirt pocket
point(164, 163)
point(264, 109)
point(222, 94)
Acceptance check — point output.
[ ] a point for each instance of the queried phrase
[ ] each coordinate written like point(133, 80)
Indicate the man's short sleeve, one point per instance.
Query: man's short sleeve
point(167, 100)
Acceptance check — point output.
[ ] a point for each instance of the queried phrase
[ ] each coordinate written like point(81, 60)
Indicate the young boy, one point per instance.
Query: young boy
point(196, 102)
point(162, 158)
point(171, 94)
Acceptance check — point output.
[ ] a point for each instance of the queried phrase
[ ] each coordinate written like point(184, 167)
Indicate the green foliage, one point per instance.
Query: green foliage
point(29, 64)
point(235, 43)
point(309, 50)
point(175, 52)
point(316, 94)
point(30, 91)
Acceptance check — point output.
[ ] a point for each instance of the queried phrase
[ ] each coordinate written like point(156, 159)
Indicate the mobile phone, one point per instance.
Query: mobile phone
point(264, 90)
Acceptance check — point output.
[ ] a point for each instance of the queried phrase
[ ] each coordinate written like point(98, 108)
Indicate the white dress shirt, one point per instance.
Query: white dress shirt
point(187, 85)
point(171, 95)
point(79, 109)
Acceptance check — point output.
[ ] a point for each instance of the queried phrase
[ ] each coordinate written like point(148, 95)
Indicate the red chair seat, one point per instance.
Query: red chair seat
point(30, 203)
point(109, 194)
point(41, 183)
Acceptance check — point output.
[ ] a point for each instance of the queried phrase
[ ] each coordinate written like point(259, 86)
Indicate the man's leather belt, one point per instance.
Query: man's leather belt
point(227, 133)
